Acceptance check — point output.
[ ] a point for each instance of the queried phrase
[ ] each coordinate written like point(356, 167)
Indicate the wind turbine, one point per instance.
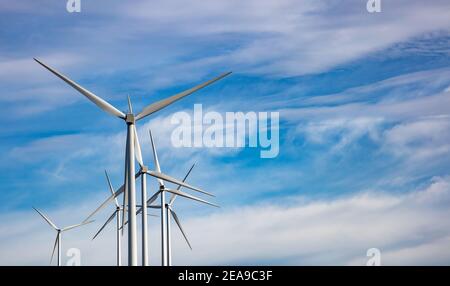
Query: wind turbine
point(59, 232)
point(116, 214)
point(130, 119)
point(171, 213)
point(166, 209)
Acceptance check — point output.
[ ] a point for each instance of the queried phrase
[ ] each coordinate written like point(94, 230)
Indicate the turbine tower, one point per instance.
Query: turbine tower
point(130, 119)
point(59, 231)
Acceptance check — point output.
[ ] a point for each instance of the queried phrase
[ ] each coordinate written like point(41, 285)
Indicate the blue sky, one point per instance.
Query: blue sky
point(364, 122)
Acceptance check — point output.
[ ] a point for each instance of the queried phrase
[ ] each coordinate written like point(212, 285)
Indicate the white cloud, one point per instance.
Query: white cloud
point(343, 130)
point(286, 38)
point(422, 139)
point(25, 70)
point(29, 89)
point(404, 97)
point(256, 37)
point(408, 229)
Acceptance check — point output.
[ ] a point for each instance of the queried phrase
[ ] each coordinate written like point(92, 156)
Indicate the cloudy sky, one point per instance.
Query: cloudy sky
point(364, 104)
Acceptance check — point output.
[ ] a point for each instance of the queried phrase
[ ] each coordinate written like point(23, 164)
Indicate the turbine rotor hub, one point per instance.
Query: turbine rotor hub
point(129, 118)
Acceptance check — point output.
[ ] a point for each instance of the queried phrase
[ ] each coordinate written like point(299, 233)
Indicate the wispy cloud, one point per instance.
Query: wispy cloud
point(304, 38)
point(293, 232)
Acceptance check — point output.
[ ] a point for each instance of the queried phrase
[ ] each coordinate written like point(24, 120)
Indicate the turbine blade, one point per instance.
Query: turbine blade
point(165, 102)
point(176, 182)
point(111, 189)
point(153, 198)
point(187, 175)
point(125, 184)
point(155, 157)
point(46, 219)
point(124, 211)
point(149, 201)
point(109, 199)
point(89, 95)
point(173, 196)
point(130, 107)
point(106, 202)
point(124, 204)
point(186, 195)
point(76, 225)
point(106, 223)
point(138, 212)
point(175, 217)
point(54, 247)
point(137, 148)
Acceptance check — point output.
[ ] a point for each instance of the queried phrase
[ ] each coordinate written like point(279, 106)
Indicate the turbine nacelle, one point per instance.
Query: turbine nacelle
point(130, 118)
point(144, 169)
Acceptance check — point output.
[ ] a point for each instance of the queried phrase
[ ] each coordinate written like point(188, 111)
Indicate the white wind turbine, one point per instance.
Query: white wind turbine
point(171, 213)
point(59, 231)
point(167, 210)
point(130, 118)
point(116, 214)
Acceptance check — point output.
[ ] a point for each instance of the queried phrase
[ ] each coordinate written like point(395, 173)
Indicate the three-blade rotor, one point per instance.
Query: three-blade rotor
point(58, 230)
point(107, 107)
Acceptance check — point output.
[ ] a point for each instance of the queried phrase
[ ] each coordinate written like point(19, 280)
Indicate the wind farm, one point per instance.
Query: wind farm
point(329, 144)
point(126, 212)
